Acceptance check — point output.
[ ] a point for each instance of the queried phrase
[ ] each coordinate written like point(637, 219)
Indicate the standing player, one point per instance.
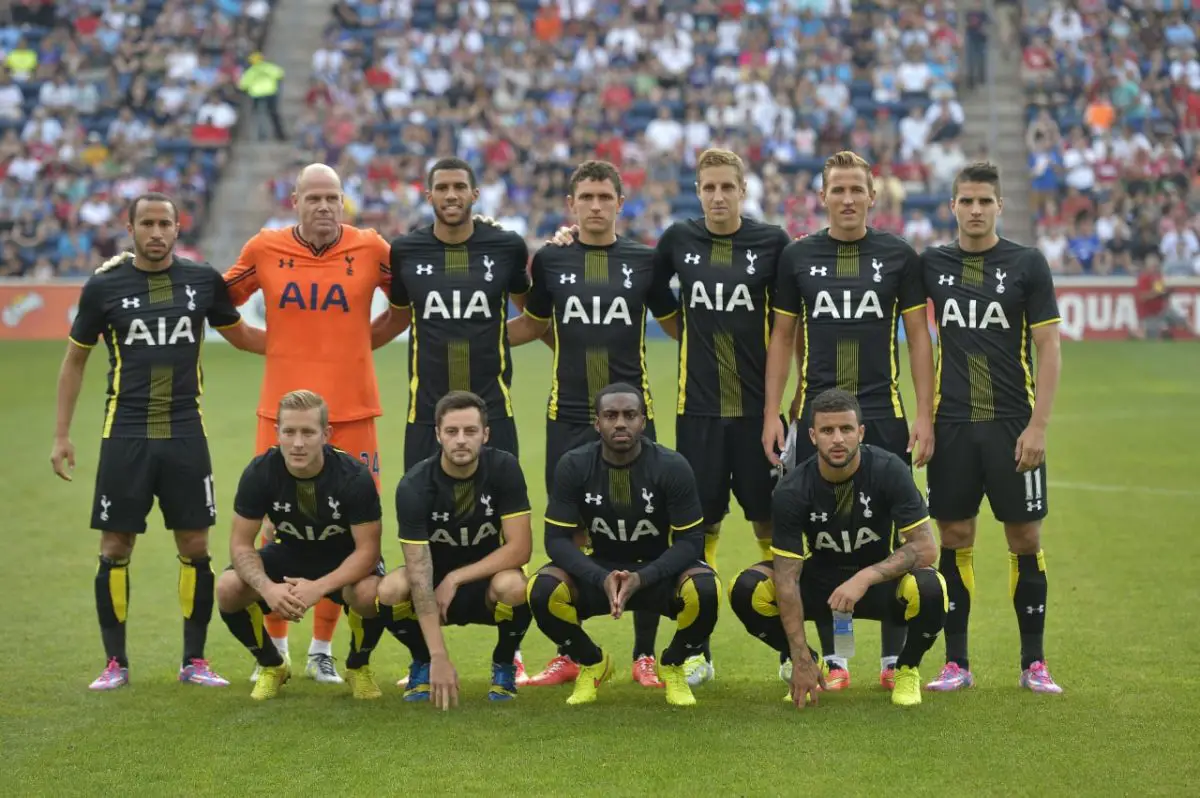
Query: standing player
point(594, 294)
point(455, 279)
point(151, 307)
point(835, 517)
point(328, 522)
point(845, 290)
point(638, 502)
point(464, 524)
point(318, 279)
point(992, 298)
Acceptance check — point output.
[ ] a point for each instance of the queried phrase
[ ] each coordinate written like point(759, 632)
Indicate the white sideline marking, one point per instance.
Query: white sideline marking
point(1088, 486)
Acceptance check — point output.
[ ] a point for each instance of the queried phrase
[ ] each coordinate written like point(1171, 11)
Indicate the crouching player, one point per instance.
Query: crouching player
point(834, 516)
point(328, 526)
point(637, 500)
point(464, 526)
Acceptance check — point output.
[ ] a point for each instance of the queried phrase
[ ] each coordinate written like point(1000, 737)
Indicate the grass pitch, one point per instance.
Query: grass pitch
point(1121, 550)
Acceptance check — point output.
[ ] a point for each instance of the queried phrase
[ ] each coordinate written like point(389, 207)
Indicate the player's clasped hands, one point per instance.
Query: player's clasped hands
point(307, 591)
point(284, 602)
point(619, 586)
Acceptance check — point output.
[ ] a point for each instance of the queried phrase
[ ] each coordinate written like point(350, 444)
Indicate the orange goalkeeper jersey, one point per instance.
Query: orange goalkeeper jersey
point(318, 308)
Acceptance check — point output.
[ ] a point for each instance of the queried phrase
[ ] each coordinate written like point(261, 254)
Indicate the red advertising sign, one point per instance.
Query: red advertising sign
point(1105, 308)
point(37, 312)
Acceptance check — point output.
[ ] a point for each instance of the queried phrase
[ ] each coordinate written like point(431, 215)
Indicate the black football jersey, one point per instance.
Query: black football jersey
point(725, 285)
point(986, 305)
point(849, 297)
point(630, 512)
point(846, 525)
point(153, 325)
point(314, 515)
point(458, 294)
point(596, 299)
point(460, 519)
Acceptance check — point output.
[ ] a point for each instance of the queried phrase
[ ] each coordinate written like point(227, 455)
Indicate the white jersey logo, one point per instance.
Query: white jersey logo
point(476, 306)
point(191, 295)
point(104, 505)
point(865, 501)
point(131, 302)
point(993, 314)
point(868, 306)
point(282, 507)
point(566, 278)
point(648, 498)
point(486, 501)
point(878, 267)
point(424, 269)
point(628, 272)
point(488, 263)
point(750, 258)
point(1000, 281)
point(140, 332)
point(334, 506)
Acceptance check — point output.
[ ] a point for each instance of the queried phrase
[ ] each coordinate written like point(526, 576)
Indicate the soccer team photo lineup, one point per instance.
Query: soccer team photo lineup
point(823, 475)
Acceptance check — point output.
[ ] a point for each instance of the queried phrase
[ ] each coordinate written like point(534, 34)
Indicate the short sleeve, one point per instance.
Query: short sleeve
point(664, 269)
point(912, 283)
point(1041, 304)
point(251, 499)
point(539, 305)
point(661, 300)
point(412, 512)
point(514, 493)
point(381, 254)
point(683, 498)
point(908, 506)
point(397, 294)
point(787, 514)
point(563, 507)
point(221, 313)
point(241, 279)
point(786, 296)
point(89, 316)
point(518, 281)
point(362, 499)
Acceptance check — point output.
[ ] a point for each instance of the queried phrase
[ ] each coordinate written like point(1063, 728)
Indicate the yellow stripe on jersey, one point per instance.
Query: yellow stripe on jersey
point(550, 520)
point(686, 527)
point(804, 362)
point(681, 402)
point(111, 412)
point(894, 363)
point(414, 542)
point(937, 377)
point(80, 344)
point(789, 554)
point(645, 373)
point(1054, 320)
point(161, 290)
point(503, 344)
point(1026, 357)
point(516, 514)
point(536, 317)
point(416, 371)
point(553, 410)
point(911, 526)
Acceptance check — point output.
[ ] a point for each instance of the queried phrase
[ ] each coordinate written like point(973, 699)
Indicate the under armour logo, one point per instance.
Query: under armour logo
point(424, 268)
point(486, 501)
point(104, 505)
point(349, 265)
point(488, 263)
point(1000, 281)
point(865, 501)
point(822, 517)
point(952, 606)
point(440, 516)
point(334, 506)
point(691, 258)
point(566, 278)
point(750, 258)
point(647, 497)
point(130, 302)
point(628, 272)
point(877, 266)
point(945, 279)
point(1039, 609)
point(282, 507)
point(818, 271)
point(191, 295)
point(290, 263)
point(1034, 505)
point(593, 498)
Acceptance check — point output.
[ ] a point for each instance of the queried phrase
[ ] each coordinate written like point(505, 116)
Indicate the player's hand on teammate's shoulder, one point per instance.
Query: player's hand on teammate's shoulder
point(443, 681)
point(1031, 448)
point(62, 450)
point(445, 593)
point(564, 236)
point(114, 262)
point(306, 590)
point(922, 441)
point(807, 681)
point(479, 218)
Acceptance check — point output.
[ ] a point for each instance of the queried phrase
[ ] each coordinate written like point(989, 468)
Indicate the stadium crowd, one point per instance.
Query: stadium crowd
point(525, 90)
point(1114, 112)
point(102, 100)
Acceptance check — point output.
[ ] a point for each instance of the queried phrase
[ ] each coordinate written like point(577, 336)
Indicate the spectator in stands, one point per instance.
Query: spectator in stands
point(262, 83)
point(1156, 317)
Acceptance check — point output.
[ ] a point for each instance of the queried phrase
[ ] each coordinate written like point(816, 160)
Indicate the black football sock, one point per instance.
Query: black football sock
point(511, 625)
point(550, 603)
point(892, 637)
point(645, 630)
point(112, 604)
point(401, 621)
point(923, 594)
point(1027, 584)
point(825, 635)
point(364, 637)
point(701, 595)
point(196, 585)
point(247, 627)
point(957, 567)
point(752, 600)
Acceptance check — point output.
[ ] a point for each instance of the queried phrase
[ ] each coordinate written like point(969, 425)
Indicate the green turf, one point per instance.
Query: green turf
point(1121, 551)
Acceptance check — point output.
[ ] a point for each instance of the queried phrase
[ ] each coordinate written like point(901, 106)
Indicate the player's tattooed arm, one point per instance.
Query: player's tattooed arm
point(419, 564)
point(918, 551)
point(245, 558)
point(791, 608)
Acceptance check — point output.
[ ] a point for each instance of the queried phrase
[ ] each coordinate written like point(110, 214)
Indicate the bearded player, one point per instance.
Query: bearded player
point(318, 279)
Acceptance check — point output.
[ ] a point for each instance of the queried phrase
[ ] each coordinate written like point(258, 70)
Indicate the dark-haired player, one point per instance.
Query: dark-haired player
point(841, 294)
point(994, 302)
point(835, 516)
point(464, 526)
point(151, 307)
point(328, 523)
point(637, 501)
point(593, 297)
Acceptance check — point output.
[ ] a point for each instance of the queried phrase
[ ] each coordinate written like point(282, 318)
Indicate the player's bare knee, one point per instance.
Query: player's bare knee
point(117, 545)
point(232, 593)
point(192, 543)
point(393, 588)
point(507, 587)
point(763, 530)
point(957, 534)
point(361, 596)
point(1024, 538)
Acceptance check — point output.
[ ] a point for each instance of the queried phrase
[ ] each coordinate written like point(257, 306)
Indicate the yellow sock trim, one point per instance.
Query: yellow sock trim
point(561, 606)
point(965, 560)
point(403, 611)
point(908, 592)
point(763, 599)
point(356, 629)
point(502, 612)
point(256, 621)
point(764, 548)
point(118, 589)
point(187, 586)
